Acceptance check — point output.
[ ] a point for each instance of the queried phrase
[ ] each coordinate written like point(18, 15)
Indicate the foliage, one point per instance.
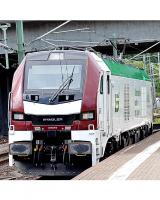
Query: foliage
point(138, 64)
point(156, 121)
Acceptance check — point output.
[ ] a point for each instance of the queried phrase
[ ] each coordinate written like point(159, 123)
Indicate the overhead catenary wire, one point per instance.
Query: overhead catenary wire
point(71, 30)
point(57, 46)
point(6, 47)
point(144, 50)
point(48, 42)
point(2, 66)
point(45, 34)
point(72, 41)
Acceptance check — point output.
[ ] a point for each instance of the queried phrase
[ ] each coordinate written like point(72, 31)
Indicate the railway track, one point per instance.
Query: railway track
point(4, 158)
point(20, 178)
point(3, 140)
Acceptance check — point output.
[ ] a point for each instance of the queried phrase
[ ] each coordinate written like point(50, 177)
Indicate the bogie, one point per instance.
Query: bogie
point(126, 139)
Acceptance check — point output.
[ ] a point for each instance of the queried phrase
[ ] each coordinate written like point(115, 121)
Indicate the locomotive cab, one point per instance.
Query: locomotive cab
point(49, 106)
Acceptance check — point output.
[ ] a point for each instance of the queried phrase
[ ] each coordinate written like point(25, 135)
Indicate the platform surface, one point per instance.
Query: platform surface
point(140, 161)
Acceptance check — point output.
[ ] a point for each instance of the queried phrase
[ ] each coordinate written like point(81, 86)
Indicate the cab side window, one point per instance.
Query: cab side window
point(101, 85)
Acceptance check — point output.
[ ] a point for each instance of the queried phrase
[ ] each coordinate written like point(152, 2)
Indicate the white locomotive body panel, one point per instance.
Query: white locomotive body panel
point(124, 105)
point(131, 104)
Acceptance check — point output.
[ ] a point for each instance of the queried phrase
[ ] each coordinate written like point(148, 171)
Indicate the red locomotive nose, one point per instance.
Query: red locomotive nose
point(16, 107)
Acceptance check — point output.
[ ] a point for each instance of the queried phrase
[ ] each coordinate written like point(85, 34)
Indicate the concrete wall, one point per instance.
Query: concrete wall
point(99, 31)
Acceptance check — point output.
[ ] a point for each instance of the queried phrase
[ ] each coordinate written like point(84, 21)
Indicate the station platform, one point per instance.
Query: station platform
point(140, 161)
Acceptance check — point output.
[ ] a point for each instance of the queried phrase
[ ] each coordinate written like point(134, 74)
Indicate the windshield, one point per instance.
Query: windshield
point(49, 76)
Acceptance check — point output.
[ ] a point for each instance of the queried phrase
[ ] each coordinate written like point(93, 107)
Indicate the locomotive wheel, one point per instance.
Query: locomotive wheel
point(116, 146)
point(111, 148)
point(136, 136)
point(151, 130)
point(125, 140)
point(146, 131)
point(142, 134)
point(131, 140)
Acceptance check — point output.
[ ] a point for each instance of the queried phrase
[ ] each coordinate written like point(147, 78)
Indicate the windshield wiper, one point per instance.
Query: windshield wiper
point(67, 82)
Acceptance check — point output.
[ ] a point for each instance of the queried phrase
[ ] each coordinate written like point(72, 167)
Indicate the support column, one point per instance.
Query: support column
point(20, 40)
point(115, 53)
point(4, 28)
point(158, 55)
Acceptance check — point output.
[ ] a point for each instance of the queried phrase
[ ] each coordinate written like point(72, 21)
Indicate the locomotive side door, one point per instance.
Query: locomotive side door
point(100, 104)
point(108, 103)
point(104, 108)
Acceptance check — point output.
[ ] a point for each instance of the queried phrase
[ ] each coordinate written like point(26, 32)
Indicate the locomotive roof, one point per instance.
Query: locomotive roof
point(44, 55)
point(124, 70)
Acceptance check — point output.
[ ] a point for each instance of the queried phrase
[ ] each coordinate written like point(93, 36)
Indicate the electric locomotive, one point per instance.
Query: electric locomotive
point(69, 109)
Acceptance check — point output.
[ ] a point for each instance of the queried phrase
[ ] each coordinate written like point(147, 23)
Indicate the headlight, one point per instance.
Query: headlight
point(80, 148)
point(18, 116)
point(88, 115)
point(20, 148)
